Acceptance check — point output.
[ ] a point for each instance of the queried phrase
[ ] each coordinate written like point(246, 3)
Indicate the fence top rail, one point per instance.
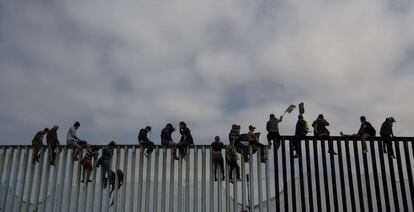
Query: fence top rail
point(207, 146)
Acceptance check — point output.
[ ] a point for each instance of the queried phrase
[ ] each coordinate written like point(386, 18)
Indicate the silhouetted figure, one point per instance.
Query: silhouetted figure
point(186, 139)
point(365, 131)
point(52, 143)
point(37, 144)
point(252, 138)
point(73, 141)
point(231, 159)
point(218, 162)
point(91, 153)
point(112, 179)
point(144, 141)
point(105, 161)
point(321, 131)
point(234, 136)
point(300, 132)
point(166, 139)
point(386, 136)
point(272, 128)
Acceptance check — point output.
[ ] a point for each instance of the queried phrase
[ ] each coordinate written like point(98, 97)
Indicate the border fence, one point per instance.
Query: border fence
point(317, 181)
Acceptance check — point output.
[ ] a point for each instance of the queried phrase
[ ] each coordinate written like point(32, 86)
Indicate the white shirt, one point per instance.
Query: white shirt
point(71, 134)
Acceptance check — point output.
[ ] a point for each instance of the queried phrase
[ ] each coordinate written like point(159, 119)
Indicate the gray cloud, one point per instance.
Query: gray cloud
point(118, 66)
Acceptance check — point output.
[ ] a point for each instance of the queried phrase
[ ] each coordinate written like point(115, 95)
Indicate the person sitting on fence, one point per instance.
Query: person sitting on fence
point(321, 131)
point(37, 144)
point(301, 130)
point(386, 136)
point(186, 139)
point(234, 136)
point(91, 153)
point(217, 157)
point(231, 159)
point(52, 143)
point(272, 128)
point(365, 131)
point(144, 141)
point(74, 142)
point(166, 139)
point(252, 138)
point(105, 162)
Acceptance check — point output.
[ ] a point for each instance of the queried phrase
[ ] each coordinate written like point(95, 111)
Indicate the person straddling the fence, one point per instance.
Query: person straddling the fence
point(321, 131)
point(105, 162)
point(252, 139)
point(73, 141)
point(386, 136)
point(186, 139)
point(231, 159)
point(272, 128)
point(91, 153)
point(37, 144)
point(300, 132)
point(144, 141)
point(365, 131)
point(166, 139)
point(52, 144)
point(217, 157)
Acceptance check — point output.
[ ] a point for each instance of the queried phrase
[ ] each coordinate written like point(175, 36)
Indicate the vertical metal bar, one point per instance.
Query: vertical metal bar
point(367, 181)
point(108, 189)
point(125, 180)
point(117, 164)
point(78, 183)
point(156, 179)
point(251, 181)
point(30, 185)
point(376, 180)
point(401, 175)
point(226, 174)
point(203, 180)
point(292, 177)
point(219, 191)
point(285, 184)
point(325, 177)
point(302, 185)
point(54, 179)
point(39, 182)
point(46, 182)
point(163, 179)
point(148, 183)
point(211, 181)
point(235, 193)
point(60, 204)
point(384, 178)
point(309, 175)
point(259, 179)
point(359, 177)
point(276, 168)
point(243, 175)
point(132, 191)
point(180, 185)
point(268, 196)
point(140, 177)
point(23, 179)
point(393, 184)
point(94, 181)
point(349, 168)
point(2, 162)
point(15, 177)
point(172, 181)
point(5, 192)
point(318, 185)
point(409, 170)
point(187, 181)
point(69, 194)
point(195, 208)
point(333, 174)
point(342, 176)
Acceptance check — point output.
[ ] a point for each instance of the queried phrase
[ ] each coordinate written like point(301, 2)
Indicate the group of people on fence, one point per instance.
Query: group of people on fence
point(243, 144)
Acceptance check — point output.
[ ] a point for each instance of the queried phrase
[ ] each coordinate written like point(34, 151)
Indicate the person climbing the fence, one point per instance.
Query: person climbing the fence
point(365, 131)
point(218, 162)
point(52, 144)
point(272, 128)
point(105, 162)
point(91, 153)
point(321, 131)
point(37, 144)
point(74, 142)
point(167, 141)
point(231, 159)
point(386, 136)
point(144, 140)
point(186, 139)
point(301, 130)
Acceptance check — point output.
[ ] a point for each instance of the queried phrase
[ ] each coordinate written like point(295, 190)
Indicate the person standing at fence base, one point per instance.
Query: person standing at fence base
point(231, 159)
point(218, 162)
point(300, 132)
point(52, 144)
point(37, 144)
point(386, 136)
point(272, 128)
point(144, 141)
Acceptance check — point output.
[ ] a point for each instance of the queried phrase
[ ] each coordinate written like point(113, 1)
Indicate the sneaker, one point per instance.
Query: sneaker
point(364, 151)
point(146, 155)
point(332, 152)
point(393, 157)
point(296, 156)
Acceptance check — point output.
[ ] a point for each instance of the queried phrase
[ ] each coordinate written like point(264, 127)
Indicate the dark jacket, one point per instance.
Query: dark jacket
point(186, 136)
point(319, 127)
point(217, 146)
point(143, 135)
point(366, 128)
point(166, 135)
point(386, 128)
point(52, 138)
point(301, 128)
point(38, 138)
point(107, 153)
point(273, 125)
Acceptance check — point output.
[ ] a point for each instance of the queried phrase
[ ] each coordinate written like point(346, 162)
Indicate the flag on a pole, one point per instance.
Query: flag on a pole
point(301, 108)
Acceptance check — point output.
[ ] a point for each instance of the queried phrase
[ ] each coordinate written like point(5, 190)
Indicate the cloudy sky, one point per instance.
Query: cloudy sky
point(117, 66)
